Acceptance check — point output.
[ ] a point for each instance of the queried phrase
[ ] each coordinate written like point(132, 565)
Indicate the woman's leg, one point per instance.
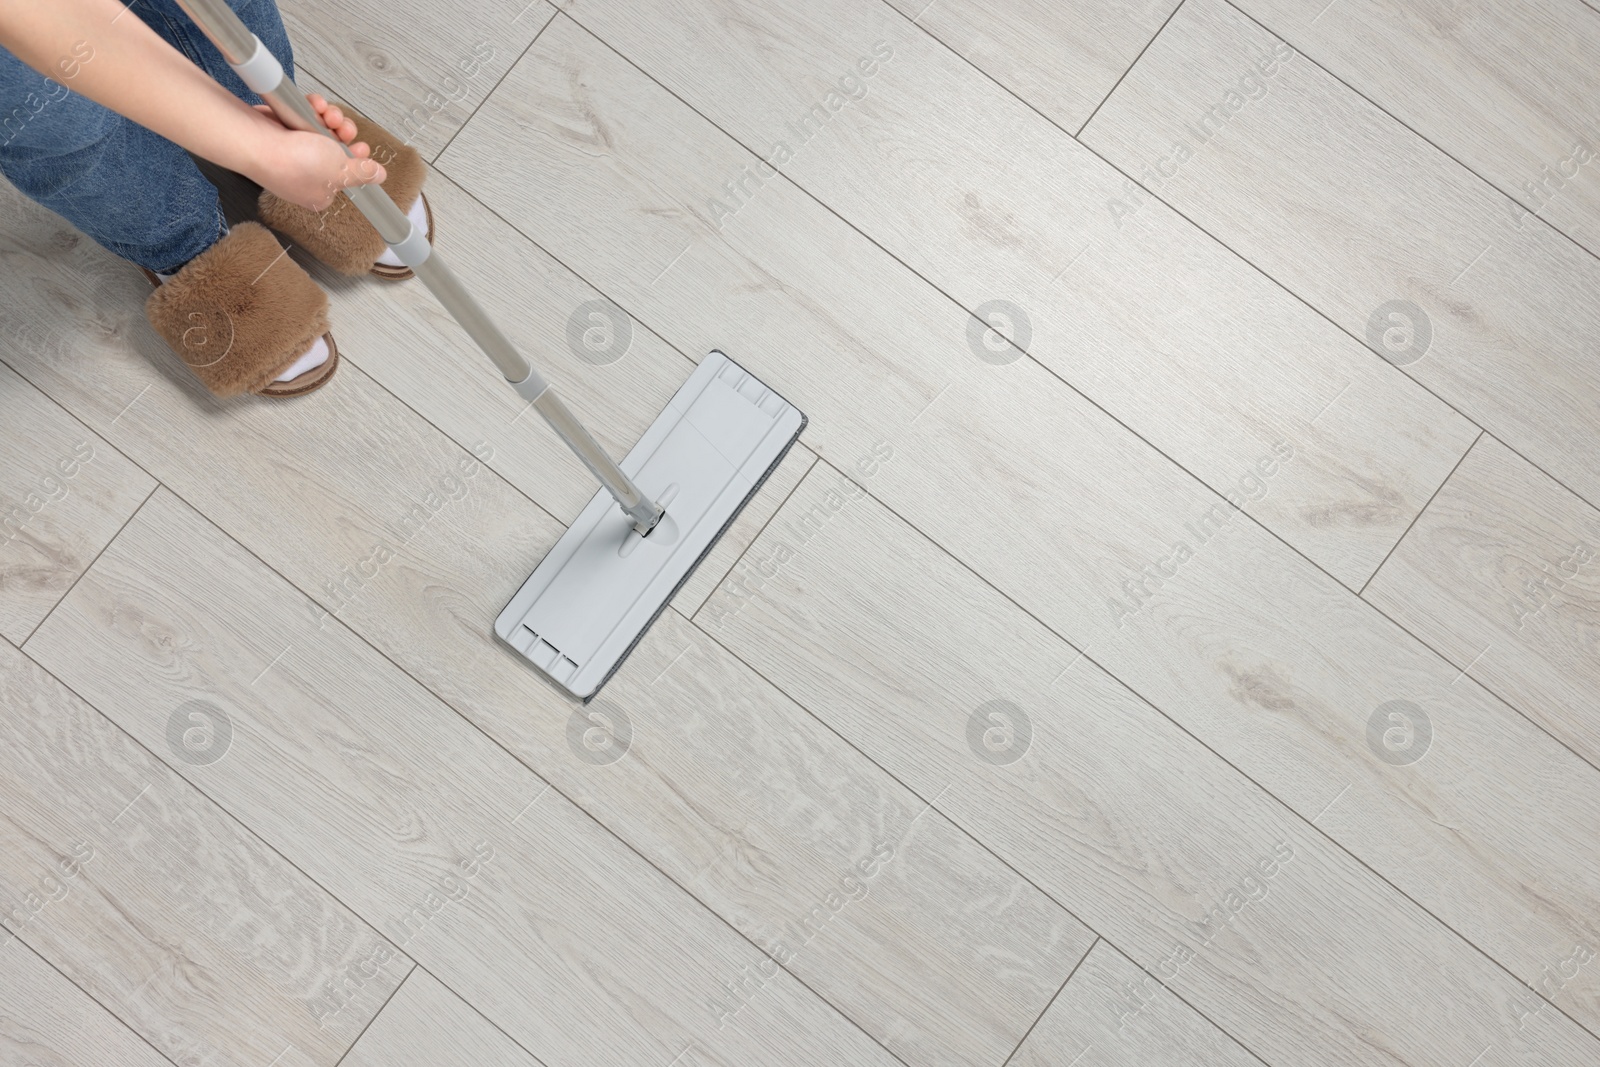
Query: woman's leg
point(136, 193)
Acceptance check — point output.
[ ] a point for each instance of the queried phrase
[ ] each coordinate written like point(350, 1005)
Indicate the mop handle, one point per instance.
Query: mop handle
point(266, 77)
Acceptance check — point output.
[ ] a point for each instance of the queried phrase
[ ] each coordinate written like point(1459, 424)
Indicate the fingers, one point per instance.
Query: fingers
point(367, 171)
point(333, 118)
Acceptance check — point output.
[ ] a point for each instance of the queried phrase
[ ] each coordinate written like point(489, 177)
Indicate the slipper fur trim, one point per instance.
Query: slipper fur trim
point(340, 236)
point(240, 313)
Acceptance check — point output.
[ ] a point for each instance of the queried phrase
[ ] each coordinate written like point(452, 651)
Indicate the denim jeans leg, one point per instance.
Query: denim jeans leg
point(260, 16)
point(134, 192)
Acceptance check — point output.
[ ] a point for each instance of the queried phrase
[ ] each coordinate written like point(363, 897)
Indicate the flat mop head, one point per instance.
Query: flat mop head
point(598, 590)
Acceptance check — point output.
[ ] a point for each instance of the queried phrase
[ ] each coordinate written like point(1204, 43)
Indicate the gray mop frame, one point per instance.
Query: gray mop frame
point(606, 580)
point(265, 76)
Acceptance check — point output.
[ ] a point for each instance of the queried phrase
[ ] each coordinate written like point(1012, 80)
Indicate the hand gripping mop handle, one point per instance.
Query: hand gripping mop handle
point(261, 71)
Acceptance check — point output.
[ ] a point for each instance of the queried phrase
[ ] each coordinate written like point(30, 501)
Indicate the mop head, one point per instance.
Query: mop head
point(598, 590)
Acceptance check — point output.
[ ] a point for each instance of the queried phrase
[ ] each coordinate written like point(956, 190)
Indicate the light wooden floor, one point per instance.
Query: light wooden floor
point(1175, 640)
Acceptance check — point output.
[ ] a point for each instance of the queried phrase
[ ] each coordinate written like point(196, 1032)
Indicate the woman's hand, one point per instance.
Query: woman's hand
point(140, 76)
point(307, 168)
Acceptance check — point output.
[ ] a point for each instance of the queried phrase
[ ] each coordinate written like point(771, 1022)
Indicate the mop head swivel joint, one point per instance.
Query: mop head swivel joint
point(595, 594)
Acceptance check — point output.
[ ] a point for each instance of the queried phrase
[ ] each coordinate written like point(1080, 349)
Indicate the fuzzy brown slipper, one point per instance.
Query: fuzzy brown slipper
point(240, 314)
point(340, 236)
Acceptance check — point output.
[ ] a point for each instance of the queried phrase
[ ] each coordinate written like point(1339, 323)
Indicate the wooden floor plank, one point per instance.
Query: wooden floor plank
point(1265, 658)
point(611, 369)
point(426, 1025)
point(608, 367)
point(1502, 575)
point(1062, 58)
point(64, 493)
point(200, 938)
point(46, 1020)
point(351, 471)
point(1112, 1014)
point(1379, 230)
point(1148, 316)
point(1122, 816)
point(460, 853)
point(1510, 90)
point(903, 920)
point(418, 69)
point(928, 898)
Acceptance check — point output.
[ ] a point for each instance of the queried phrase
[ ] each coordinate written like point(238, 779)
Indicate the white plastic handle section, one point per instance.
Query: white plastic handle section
point(261, 72)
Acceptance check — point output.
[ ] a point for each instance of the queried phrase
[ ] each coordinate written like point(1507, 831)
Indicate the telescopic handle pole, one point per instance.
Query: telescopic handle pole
point(262, 72)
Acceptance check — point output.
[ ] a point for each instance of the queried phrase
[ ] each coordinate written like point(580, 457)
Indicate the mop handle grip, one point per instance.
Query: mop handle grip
point(261, 71)
point(265, 76)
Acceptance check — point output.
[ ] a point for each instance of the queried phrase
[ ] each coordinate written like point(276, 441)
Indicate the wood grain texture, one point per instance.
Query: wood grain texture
point(1266, 659)
point(187, 927)
point(64, 493)
point(828, 865)
point(426, 1025)
point(46, 1021)
point(999, 966)
point(464, 856)
point(1363, 213)
point(1149, 317)
point(387, 514)
point(1510, 90)
point(605, 364)
point(419, 69)
point(1117, 812)
point(1063, 58)
point(1502, 575)
point(1112, 1014)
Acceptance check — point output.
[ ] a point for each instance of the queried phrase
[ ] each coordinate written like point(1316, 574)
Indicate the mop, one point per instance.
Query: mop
point(658, 512)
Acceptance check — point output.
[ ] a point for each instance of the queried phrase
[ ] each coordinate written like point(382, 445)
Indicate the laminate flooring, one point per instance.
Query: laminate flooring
point(1174, 640)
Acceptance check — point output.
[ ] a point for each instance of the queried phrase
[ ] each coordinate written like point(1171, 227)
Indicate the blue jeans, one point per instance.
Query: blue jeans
point(135, 192)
